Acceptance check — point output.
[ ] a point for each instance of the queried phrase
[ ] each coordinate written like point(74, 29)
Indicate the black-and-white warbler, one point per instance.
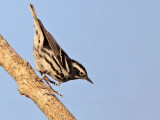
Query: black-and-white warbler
point(50, 58)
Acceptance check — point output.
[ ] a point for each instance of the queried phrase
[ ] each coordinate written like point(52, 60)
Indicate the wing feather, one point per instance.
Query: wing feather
point(54, 45)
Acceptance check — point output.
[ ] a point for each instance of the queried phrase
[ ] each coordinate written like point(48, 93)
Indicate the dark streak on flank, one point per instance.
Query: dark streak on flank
point(41, 65)
point(56, 63)
point(63, 59)
point(69, 65)
point(35, 49)
point(37, 32)
point(57, 77)
point(51, 65)
point(40, 55)
point(43, 50)
point(39, 38)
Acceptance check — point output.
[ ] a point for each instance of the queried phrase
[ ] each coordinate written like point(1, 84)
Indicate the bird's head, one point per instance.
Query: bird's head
point(79, 72)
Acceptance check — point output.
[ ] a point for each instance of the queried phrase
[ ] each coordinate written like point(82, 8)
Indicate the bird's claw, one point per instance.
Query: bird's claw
point(53, 92)
point(39, 79)
point(57, 93)
point(49, 86)
point(47, 79)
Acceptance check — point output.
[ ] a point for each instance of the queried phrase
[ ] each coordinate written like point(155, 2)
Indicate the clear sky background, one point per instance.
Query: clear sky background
point(118, 41)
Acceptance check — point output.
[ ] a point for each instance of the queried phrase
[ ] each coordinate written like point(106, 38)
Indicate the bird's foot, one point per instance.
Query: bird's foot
point(50, 88)
point(47, 79)
point(56, 92)
point(39, 79)
point(59, 83)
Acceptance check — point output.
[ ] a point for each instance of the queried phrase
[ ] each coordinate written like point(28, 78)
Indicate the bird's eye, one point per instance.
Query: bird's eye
point(81, 73)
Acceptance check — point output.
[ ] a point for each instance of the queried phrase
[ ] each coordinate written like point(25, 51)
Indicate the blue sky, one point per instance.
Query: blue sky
point(118, 41)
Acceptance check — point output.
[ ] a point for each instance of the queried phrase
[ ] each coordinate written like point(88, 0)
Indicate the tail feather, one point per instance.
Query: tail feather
point(33, 12)
point(36, 21)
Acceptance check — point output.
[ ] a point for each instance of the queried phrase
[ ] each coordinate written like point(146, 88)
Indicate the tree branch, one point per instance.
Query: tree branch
point(28, 84)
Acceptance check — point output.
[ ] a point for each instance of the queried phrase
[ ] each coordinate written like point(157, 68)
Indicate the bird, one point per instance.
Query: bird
point(51, 59)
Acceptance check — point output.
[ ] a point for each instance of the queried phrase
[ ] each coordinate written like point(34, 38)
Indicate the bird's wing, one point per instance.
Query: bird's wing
point(49, 40)
point(58, 51)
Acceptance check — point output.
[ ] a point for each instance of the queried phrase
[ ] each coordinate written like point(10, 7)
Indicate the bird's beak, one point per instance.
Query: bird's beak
point(89, 80)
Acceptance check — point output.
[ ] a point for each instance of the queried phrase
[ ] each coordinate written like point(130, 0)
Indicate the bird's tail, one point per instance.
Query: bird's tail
point(33, 12)
point(36, 20)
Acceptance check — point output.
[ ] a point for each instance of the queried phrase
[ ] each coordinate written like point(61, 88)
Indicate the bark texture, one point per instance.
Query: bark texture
point(28, 84)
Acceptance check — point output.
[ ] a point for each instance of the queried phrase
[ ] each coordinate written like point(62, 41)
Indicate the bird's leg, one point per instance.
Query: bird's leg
point(52, 88)
point(47, 79)
point(39, 79)
point(59, 83)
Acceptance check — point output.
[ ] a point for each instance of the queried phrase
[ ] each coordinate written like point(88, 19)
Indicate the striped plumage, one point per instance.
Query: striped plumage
point(50, 58)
